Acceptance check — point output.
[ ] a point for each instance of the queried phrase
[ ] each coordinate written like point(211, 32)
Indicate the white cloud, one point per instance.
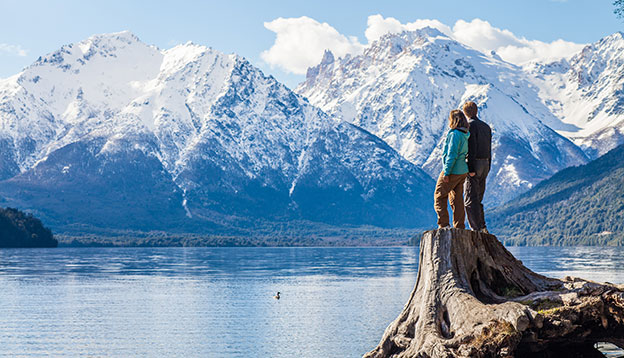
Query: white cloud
point(540, 51)
point(301, 42)
point(484, 37)
point(16, 50)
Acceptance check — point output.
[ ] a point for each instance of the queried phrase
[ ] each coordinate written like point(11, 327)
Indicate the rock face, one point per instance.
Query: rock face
point(474, 299)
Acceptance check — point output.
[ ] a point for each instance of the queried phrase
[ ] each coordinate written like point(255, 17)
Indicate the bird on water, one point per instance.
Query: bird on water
point(277, 296)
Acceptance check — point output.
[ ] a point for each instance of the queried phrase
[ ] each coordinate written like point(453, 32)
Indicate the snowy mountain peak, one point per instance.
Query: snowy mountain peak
point(326, 62)
point(617, 37)
point(190, 54)
point(328, 57)
point(109, 39)
point(104, 45)
point(411, 37)
point(430, 32)
point(391, 45)
point(107, 84)
point(586, 93)
point(195, 122)
point(607, 48)
point(403, 86)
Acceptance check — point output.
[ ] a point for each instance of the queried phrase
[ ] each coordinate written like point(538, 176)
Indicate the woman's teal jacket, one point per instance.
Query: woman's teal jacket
point(455, 151)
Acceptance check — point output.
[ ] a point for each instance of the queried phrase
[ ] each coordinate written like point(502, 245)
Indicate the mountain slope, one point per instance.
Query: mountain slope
point(404, 85)
point(581, 205)
point(113, 133)
point(21, 230)
point(586, 93)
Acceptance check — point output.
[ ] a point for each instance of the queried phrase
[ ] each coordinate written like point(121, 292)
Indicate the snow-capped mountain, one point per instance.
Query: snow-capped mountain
point(112, 132)
point(403, 87)
point(586, 93)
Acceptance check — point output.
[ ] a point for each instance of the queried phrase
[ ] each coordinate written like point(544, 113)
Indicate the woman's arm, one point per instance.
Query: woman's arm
point(452, 152)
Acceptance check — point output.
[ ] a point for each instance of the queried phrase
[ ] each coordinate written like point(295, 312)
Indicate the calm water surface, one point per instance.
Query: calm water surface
point(218, 302)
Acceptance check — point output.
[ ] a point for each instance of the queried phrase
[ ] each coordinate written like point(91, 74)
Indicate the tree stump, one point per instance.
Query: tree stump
point(473, 298)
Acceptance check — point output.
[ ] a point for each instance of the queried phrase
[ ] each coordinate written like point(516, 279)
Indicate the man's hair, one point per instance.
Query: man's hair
point(457, 119)
point(470, 109)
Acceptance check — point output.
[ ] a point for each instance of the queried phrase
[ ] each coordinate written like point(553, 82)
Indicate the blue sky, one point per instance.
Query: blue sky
point(33, 28)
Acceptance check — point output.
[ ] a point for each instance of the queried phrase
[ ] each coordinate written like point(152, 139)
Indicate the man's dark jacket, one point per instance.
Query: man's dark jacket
point(479, 143)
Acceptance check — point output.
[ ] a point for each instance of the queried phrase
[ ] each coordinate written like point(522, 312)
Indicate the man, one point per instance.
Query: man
point(479, 161)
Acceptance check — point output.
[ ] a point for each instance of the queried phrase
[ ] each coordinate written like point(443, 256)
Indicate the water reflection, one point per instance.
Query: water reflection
point(201, 302)
point(215, 262)
point(218, 302)
point(604, 264)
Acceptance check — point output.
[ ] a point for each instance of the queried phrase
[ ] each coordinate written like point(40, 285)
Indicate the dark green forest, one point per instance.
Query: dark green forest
point(18, 229)
point(581, 205)
point(292, 233)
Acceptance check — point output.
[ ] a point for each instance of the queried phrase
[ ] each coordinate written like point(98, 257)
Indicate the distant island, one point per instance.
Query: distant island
point(18, 229)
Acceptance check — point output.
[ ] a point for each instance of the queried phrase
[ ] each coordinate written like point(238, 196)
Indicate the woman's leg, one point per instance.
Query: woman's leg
point(459, 213)
point(456, 198)
point(440, 197)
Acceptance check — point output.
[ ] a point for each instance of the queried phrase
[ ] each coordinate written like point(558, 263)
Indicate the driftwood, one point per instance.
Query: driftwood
point(475, 299)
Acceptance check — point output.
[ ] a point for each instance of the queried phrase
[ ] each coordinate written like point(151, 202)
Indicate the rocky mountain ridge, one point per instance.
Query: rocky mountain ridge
point(404, 85)
point(112, 132)
point(586, 93)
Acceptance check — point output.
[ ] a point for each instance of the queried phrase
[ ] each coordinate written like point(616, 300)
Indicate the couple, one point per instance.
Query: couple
point(466, 158)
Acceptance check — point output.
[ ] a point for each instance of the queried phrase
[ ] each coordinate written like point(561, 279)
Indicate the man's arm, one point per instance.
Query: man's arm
point(489, 131)
point(472, 148)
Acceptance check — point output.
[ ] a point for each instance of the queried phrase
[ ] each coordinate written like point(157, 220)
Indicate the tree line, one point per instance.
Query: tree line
point(18, 229)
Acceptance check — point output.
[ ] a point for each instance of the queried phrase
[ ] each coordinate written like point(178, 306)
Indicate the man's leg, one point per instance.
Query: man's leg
point(472, 202)
point(440, 197)
point(457, 202)
point(481, 193)
point(482, 179)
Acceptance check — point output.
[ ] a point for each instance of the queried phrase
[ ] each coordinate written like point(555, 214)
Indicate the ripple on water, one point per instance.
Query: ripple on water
point(218, 302)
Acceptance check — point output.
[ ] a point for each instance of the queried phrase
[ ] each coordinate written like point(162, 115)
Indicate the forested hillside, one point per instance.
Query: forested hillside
point(581, 205)
point(18, 229)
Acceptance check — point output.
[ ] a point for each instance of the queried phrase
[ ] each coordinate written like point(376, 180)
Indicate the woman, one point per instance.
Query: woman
point(451, 181)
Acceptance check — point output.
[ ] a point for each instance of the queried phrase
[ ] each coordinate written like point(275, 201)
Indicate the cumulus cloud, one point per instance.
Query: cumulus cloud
point(300, 42)
point(540, 51)
point(481, 35)
point(16, 50)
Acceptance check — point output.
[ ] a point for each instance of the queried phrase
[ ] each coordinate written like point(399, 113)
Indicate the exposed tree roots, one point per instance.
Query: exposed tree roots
point(475, 299)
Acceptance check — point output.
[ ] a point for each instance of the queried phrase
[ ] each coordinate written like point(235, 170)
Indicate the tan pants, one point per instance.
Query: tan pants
point(453, 190)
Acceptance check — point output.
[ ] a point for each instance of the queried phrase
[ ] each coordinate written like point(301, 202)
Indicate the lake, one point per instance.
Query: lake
point(218, 302)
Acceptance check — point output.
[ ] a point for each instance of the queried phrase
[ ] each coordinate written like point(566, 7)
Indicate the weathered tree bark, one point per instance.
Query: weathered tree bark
point(475, 299)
